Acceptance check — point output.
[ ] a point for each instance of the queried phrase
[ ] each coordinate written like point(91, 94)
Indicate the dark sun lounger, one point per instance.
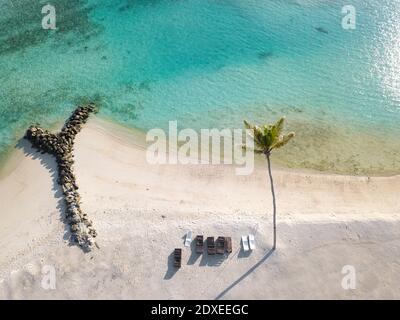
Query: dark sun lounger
point(228, 244)
point(220, 244)
point(199, 244)
point(210, 245)
point(177, 257)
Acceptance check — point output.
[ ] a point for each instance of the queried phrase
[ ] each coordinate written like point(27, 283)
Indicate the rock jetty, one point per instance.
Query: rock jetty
point(61, 146)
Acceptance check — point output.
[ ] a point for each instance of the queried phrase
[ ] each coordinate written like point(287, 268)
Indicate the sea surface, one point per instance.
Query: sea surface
point(211, 64)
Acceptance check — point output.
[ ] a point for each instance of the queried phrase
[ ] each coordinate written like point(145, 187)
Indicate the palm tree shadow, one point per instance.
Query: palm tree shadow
point(246, 274)
point(49, 162)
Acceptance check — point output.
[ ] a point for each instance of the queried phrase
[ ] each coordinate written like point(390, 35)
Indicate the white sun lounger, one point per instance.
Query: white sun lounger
point(245, 243)
point(188, 239)
point(252, 243)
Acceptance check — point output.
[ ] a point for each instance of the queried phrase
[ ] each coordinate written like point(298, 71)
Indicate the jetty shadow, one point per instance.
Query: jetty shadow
point(49, 162)
point(171, 268)
point(245, 275)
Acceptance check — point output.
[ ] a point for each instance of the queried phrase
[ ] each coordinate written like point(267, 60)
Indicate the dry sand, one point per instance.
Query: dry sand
point(142, 211)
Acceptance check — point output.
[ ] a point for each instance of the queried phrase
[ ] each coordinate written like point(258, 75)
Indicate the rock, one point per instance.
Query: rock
point(61, 146)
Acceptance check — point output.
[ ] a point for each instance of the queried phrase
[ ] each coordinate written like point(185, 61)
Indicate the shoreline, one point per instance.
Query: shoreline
point(141, 213)
point(136, 138)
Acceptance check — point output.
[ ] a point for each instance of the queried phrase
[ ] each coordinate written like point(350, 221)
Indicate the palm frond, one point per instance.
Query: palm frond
point(248, 125)
point(256, 135)
point(278, 127)
point(283, 140)
point(268, 137)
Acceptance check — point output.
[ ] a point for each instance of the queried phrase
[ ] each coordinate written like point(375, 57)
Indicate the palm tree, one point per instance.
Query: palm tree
point(267, 138)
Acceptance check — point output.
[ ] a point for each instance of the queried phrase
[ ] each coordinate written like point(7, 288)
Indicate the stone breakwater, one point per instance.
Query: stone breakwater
point(61, 146)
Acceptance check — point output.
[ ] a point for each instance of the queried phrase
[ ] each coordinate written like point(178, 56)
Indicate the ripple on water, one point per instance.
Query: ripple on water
point(213, 64)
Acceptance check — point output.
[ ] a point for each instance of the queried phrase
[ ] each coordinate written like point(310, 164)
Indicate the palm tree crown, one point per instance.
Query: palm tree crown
point(269, 137)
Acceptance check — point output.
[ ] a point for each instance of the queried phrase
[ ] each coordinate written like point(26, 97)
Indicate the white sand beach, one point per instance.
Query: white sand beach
point(142, 212)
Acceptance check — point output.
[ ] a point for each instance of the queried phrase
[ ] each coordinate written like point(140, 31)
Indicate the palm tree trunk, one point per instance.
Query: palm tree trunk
point(273, 199)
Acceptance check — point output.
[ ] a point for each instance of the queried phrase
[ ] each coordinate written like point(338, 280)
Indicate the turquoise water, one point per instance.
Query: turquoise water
point(213, 64)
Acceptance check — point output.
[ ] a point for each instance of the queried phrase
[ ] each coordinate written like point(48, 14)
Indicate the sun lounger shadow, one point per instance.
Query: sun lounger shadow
point(215, 260)
point(194, 256)
point(171, 268)
point(203, 261)
point(244, 254)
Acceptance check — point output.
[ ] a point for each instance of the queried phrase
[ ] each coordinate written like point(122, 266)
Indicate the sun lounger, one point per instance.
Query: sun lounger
point(177, 257)
point(228, 244)
point(188, 238)
point(220, 244)
point(210, 245)
point(199, 244)
point(252, 243)
point(245, 243)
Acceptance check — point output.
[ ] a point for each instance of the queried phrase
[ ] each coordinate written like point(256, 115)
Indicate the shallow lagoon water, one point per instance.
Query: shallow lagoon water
point(212, 64)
